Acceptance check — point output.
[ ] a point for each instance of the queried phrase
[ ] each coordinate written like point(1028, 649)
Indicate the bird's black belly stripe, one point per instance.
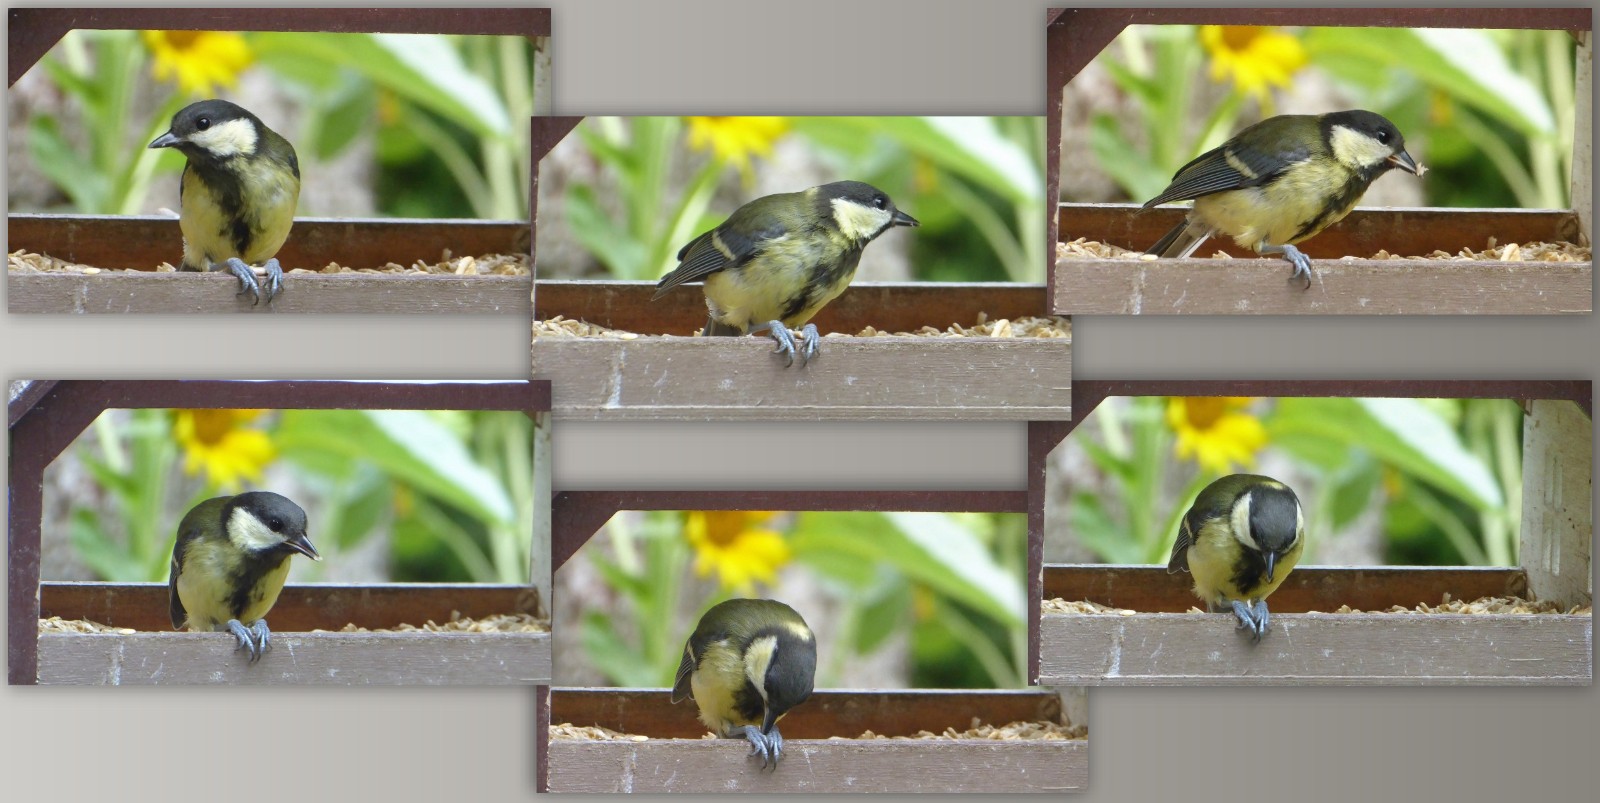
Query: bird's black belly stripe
point(244, 579)
point(1250, 573)
point(1337, 207)
point(747, 701)
point(228, 189)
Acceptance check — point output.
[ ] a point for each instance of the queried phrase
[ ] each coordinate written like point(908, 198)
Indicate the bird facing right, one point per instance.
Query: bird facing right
point(1282, 181)
point(1240, 539)
point(747, 663)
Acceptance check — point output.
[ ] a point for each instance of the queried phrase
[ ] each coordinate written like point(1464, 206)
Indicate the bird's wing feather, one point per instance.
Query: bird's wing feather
point(680, 684)
point(1233, 166)
point(174, 603)
point(701, 257)
point(1179, 562)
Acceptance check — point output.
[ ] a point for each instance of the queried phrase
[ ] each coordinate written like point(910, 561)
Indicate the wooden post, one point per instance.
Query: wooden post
point(1557, 508)
point(1583, 135)
point(542, 569)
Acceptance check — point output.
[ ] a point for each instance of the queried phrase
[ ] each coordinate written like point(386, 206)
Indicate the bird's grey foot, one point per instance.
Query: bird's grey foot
point(812, 346)
point(274, 278)
point(770, 748)
point(1247, 619)
point(1296, 257)
point(780, 333)
point(252, 640)
point(263, 637)
point(247, 279)
point(1260, 611)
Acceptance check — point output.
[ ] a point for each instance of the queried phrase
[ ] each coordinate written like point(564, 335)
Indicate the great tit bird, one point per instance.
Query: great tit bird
point(748, 662)
point(1282, 181)
point(230, 561)
point(238, 192)
point(1240, 539)
point(778, 259)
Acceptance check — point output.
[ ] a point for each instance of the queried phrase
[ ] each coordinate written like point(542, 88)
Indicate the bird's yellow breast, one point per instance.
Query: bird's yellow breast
point(206, 592)
point(720, 673)
point(1213, 562)
point(787, 268)
point(267, 209)
point(1278, 213)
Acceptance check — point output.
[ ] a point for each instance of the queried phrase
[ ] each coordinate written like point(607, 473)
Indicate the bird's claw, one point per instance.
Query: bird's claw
point(770, 748)
point(1301, 263)
point(813, 343)
point(1253, 619)
point(248, 282)
point(786, 346)
point(255, 639)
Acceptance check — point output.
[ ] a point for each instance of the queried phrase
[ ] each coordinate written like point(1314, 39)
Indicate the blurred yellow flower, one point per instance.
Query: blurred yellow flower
point(217, 441)
point(736, 139)
point(1215, 431)
point(1256, 57)
point(199, 61)
point(741, 546)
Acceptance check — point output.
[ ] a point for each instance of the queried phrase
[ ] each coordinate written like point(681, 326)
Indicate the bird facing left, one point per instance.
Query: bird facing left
point(230, 562)
point(237, 194)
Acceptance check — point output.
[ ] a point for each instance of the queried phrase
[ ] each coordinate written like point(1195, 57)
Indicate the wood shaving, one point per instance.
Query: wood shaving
point(1482, 606)
point(1084, 248)
point(500, 623)
point(560, 326)
point(1014, 731)
point(487, 265)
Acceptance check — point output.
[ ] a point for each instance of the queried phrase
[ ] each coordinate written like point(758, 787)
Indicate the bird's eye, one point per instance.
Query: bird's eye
point(1383, 136)
point(276, 524)
point(880, 202)
point(203, 123)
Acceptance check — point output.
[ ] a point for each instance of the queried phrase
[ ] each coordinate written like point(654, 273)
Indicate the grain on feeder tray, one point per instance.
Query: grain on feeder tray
point(56, 624)
point(1083, 248)
point(498, 623)
point(1081, 607)
point(592, 733)
point(1054, 327)
point(1010, 732)
point(1481, 606)
point(487, 265)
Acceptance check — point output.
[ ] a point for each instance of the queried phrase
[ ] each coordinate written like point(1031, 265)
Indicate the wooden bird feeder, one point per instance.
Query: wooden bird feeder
point(47, 416)
point(123, 252)
point(663, 373)
point(822, 753)
point(1154, 641)
point(1104, 286)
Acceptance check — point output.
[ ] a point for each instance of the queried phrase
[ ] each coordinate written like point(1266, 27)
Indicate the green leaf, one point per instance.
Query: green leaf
point(968, 146)
point(407, 444)
point(75, 175)
point(620, 663)
point(1352, 494)
point(1132, 171)
point(105, 557)
point(882, 618)
point(609, 242)
point(1098, 533)
point(425, 69)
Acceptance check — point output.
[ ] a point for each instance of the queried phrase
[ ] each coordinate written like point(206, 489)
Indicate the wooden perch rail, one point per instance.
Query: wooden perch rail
point(139, 244)
point(675, 759)
point(654, 377)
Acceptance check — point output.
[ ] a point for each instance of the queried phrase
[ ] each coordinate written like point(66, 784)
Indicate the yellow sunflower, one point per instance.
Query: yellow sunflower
point(1215, 431)
point(1256, 57)
point(736, 139)
point(741, 546)
point(217, 441)
point(199, 61)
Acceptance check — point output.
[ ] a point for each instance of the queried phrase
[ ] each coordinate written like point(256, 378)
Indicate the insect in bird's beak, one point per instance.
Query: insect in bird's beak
point(902, 219)
point(1404, 161)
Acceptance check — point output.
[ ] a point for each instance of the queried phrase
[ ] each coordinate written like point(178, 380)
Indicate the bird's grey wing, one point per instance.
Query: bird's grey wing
point(174, 604)
point(703, 256)
point(680, 684)
point(1179, 562)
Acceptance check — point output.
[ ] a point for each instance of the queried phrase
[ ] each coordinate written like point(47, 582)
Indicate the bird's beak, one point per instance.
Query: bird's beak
point(166, 140)
point(1404, 161)
point(769, 720)
point(302, 544)
point(1272, 563)
point(902, 219)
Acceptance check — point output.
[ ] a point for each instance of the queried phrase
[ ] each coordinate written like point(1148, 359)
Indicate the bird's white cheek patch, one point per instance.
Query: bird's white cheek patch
point(1353, 147)
point(1241, 523)
point(758, 659)
point(248, 532)
point(228, 139)
point(859, 222)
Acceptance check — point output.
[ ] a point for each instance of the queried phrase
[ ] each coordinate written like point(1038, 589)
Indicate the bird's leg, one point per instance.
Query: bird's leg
point(263, 637)
point(1301, 262)
point(247, 279)
point(759, 745)
point(1247, 619)
point(247, 638)
point(775, 744)
point(274, 278)
point(780, 333)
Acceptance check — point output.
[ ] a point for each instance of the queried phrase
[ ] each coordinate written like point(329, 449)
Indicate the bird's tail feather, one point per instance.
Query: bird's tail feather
point(1181, 241)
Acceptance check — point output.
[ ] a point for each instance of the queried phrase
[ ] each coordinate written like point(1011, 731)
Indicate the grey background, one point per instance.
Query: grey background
point(715, 56)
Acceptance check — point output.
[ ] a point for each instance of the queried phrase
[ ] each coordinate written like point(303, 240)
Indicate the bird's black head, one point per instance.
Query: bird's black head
point(262, 521)
point(1275, 523)
point(212, 129)
point(1367, 141)
point(859, 210)
point(791, 673)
